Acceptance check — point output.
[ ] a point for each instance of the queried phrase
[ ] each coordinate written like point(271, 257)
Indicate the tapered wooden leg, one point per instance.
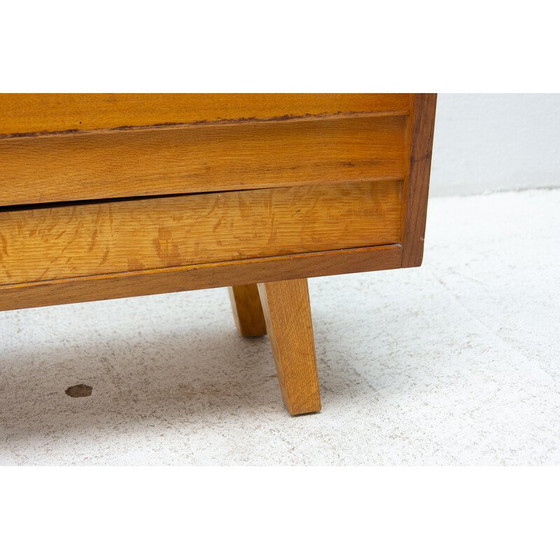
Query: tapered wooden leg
point(288, 320)
point(247, 310)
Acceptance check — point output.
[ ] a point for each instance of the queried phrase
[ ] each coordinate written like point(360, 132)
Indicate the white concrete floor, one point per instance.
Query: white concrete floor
point(454, 363)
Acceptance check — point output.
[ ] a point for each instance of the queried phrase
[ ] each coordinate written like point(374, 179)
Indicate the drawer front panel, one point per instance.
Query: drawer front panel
point(204, 158)
point(39, 113)
point(102, 238)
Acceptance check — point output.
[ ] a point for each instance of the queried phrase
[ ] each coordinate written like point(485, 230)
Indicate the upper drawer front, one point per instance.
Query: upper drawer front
point(244, 153)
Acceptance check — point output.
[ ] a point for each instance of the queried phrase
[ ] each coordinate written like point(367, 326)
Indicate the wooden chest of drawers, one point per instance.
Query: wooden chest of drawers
point(105, 196)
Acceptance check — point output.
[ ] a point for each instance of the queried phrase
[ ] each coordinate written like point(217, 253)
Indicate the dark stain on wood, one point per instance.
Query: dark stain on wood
point(217, 122)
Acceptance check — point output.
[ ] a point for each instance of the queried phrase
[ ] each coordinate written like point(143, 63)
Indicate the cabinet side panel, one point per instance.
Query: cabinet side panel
point(415, 199)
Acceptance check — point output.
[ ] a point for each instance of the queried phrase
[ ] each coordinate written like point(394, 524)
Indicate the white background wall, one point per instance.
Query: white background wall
point(490, 142)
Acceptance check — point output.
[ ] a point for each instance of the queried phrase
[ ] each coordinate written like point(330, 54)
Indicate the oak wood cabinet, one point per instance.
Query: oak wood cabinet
point(115, 195)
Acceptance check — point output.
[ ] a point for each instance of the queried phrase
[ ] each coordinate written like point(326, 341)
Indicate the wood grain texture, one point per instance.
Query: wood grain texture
point(416, 186)
point(247, 310)
point(142, 234)
point(288, 320)
point(205, 159)
point(177, 279)
point(274, 188)
point(33, 113)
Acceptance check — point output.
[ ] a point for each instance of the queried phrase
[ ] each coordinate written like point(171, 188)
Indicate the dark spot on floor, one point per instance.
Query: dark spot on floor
point(79, 390)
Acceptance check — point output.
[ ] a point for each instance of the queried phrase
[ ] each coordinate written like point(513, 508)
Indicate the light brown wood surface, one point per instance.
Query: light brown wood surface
point(200, 159)
point(142, 234)
point(197, 277)
point(247, 310)
point(254, 191)
point(40, 113)
point(288, 320)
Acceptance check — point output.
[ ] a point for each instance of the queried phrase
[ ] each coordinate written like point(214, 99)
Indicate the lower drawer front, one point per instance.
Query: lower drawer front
point(76, 240)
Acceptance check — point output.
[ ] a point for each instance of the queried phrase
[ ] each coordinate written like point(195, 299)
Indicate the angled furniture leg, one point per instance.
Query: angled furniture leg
point(288, 320)
point(247, 310)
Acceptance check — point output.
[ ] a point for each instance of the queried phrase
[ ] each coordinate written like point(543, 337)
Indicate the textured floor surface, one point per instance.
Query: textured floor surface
point(454, 363)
